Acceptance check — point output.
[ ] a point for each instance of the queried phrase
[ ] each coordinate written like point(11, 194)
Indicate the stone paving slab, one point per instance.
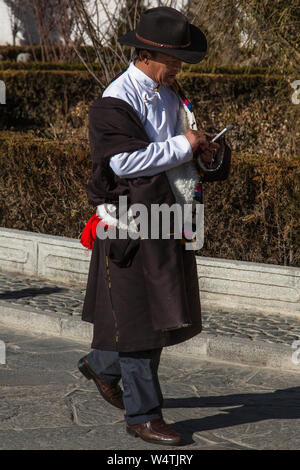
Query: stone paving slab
point(66, 301)
point(215, 405)
point(34, 305)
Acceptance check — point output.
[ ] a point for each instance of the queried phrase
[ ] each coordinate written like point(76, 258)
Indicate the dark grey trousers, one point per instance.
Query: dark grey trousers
point(138, 370)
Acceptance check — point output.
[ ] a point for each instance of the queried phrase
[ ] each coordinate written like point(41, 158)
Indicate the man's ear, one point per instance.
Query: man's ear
point(145, 56)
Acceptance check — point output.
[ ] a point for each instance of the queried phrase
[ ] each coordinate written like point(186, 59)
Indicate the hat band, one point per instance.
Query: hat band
point(157, 44)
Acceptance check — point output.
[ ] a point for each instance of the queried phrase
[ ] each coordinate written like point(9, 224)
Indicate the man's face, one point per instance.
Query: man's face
point(164, 68)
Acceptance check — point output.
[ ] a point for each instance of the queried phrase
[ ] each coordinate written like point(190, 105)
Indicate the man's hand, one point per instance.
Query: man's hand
point(202, 141)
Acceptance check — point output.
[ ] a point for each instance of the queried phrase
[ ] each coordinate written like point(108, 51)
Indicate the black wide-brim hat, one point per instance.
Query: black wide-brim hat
point(166, 30)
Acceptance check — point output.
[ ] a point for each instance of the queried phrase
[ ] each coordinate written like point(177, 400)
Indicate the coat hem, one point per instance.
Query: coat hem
point(166, 341)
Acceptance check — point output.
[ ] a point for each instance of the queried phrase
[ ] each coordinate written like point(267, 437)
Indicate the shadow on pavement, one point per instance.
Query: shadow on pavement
point(247, 408)
point(30, 292)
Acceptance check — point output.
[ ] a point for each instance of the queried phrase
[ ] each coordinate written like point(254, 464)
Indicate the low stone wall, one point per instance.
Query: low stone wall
point(243, 286)
point(224, 284)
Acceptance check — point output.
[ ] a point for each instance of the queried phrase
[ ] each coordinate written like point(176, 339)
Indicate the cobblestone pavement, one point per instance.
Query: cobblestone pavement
point(67, 300)
point(46, 403)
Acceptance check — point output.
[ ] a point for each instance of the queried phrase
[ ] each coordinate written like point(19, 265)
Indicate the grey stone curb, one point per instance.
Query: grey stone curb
point(204, 346)
point(239, 351)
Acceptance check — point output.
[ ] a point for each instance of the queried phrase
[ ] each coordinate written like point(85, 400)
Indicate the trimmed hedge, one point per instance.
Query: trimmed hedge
point(11, 52)
point(12, 65)
point(201, 68)
point(88, 52)
point(43, 184)
point(253, 216)
point(34, 99)
point(259, 105)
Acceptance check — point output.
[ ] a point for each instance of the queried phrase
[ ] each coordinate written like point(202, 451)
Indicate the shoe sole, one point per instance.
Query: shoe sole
point(133, 433)
point(85, 371)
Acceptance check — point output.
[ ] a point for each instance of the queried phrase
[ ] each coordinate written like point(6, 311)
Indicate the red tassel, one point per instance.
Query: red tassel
point(89, 233)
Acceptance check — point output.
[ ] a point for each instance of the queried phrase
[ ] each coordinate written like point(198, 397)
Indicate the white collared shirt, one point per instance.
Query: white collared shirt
point(158, 108)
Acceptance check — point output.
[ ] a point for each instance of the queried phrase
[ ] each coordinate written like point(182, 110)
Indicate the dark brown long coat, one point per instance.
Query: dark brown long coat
point(119, 303)
point(131, 304)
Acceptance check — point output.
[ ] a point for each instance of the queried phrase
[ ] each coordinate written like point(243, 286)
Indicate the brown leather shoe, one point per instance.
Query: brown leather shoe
point(111, 393)
point(155, 431)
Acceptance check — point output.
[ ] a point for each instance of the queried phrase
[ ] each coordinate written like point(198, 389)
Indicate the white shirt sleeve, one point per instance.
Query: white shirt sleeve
point(153, 159)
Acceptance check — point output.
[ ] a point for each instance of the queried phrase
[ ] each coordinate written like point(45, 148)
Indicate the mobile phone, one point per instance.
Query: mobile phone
point(222, 132)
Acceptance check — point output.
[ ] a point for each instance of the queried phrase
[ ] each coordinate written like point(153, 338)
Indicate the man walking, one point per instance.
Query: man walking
point(143, 294)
